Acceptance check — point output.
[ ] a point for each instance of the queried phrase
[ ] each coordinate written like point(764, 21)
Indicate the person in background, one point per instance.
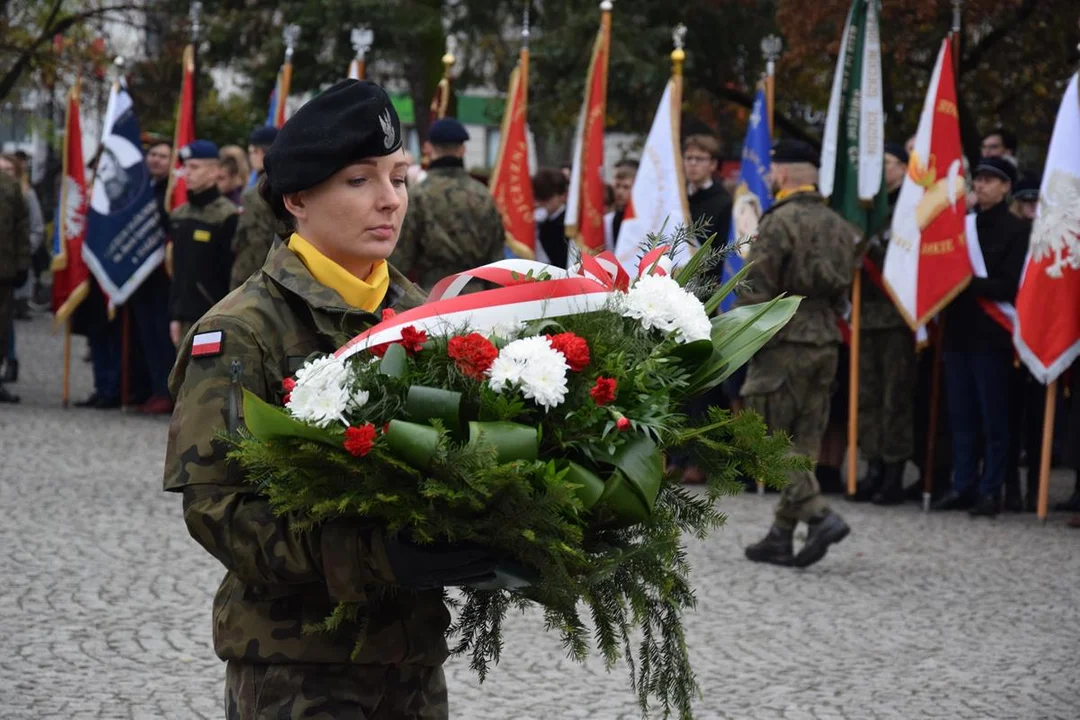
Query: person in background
point(623, 186)
point(14, 260)
point(453, 224)
point(803, 248)
point(14, 168)
point(1000, 143)
point(708, 198)
point(978, 352)
point(257, 229)
point(609, 199)
point(550, 188)
point(887, 362)
point(233, 173)
point(202, 232)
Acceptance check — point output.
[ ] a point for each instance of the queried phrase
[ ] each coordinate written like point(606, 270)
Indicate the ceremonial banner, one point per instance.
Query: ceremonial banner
point(853, 149)
point(185, 131)
point(752, 195)
point(272, 113)
point(511, 182)
point(124, 239)
point(71, 277)
point(1047, 333)
point(658, 198)
point(585, 201)
point(927, 262)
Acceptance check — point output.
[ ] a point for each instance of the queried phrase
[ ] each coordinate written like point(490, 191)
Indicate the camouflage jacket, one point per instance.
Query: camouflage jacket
point(803, 248)
point(255, 235)
point(878, 311)
point(279, 579)
point(452, 225)
point(14, 231)
point(202, 230)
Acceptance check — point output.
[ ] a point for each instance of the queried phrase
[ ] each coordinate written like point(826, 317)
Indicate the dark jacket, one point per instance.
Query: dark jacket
point(1003, 238)
point(202, 233)
point(552, 236)
point(714, 202)
point(878, 310)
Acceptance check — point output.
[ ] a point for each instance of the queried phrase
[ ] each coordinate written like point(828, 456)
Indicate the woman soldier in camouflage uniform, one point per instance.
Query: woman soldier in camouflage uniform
point(336, 175)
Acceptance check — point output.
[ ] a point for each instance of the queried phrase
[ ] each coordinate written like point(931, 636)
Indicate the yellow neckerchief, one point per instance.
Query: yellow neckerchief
point(785, 194)
point(364, 294)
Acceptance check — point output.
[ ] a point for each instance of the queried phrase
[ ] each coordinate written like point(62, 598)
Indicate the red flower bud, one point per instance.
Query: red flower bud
point(388, 313)
point(288, 384)
point(623, 423)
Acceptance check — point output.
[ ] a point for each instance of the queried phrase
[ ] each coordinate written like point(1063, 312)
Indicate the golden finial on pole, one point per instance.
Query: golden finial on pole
point(678, 55)
point(448, 58)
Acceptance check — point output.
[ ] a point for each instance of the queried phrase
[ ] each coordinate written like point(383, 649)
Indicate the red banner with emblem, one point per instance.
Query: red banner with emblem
point(511, 182)
point(71, 277)
point(185, 131)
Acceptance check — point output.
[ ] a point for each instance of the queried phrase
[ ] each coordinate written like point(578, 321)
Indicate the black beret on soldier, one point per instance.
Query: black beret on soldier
point(794, 151)
point(350, 121)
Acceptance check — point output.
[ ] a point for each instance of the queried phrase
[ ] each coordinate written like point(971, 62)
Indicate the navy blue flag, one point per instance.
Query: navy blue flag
point(125, 241)
point(752, 195)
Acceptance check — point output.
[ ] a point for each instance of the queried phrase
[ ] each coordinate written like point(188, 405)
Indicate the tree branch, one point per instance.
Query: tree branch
point(780, 120)
point(971, 60)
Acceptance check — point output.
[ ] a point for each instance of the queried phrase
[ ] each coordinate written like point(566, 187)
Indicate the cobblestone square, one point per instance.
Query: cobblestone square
point(105, 600)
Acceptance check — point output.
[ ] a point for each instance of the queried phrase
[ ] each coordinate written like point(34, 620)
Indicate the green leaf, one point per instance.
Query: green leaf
point(512, 441)
point(687, 271)
point(414, 443)
point(693, 354)
point(643, 465)
point(425, 404)
point(266, 422)
point(591, 487)
point(395, 361)
point(726, 289)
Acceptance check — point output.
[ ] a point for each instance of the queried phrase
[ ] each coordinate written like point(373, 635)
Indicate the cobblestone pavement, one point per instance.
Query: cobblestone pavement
point(105, 601)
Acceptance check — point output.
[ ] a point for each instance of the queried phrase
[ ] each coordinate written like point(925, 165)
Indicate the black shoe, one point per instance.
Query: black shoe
point(953, 500)
point(106, 403)
point(826, 529)
point(892, 485)
point(11, 371)
point(870, 484)
point(986, 507)
point(1071, 505)
point(775, 548)
point(1013, 502)
point(88, 402)
point(6, 397)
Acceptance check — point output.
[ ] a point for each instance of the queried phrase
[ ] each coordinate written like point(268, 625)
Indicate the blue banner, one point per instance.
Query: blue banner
point(125, 241)
point(752, 195)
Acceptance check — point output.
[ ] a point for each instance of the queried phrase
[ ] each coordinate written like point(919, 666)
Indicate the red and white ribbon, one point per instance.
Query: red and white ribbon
point(521, 297)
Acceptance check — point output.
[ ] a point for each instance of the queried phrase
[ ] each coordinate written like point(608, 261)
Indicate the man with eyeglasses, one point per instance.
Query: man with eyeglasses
point(708, 199)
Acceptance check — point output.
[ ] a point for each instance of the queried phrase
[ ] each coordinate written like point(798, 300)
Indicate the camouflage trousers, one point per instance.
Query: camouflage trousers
point(7, 315)
point(790, 385)
point(887, 394)
point(255, 691)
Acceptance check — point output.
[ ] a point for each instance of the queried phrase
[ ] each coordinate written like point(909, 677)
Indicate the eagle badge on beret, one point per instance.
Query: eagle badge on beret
point(387, 124)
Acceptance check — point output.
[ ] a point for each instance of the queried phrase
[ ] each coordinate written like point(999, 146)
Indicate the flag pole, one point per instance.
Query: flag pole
point(291, 33)
point(66, 393)
point(361, 39)
point(853, 381)
point(523, 77)
point(771, 46)
point(1047, 448)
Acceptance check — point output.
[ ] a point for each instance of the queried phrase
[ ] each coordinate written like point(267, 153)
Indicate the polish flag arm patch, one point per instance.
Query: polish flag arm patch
point(208, 344)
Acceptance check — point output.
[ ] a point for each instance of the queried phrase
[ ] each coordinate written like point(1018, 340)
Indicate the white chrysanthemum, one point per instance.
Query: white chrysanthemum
point(534, 366)
point(325, 372)
point(359, 399)
point(318, 405)
point(658, 303)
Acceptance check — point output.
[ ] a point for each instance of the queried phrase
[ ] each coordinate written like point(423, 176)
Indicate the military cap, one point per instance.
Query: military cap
point(199, 150)
point(350, 121)
point(998, 167)
point(794, 151)
point(447, 131)
point(1027, 188)
point(897, 151)
point(263, 136)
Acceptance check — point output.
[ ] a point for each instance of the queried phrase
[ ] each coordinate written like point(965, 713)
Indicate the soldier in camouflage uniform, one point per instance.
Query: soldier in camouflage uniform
point(346, 199)
point(453, 223)
point(14, 260)
point(886, 367)
point(202, 231)
point(257, 228)
point(803, 248)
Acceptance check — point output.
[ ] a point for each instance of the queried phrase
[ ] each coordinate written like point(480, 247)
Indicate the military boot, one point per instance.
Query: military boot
point(775, 548)
point(869, 486)
point(891, 491)
point(825, 529)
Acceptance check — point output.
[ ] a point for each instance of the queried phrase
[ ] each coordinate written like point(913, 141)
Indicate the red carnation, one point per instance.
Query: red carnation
point(472, 353)
point(388, 313)
point(574, 349)
point(360, 440)
point(285, 400)
point(379, 350)
point(603, 392)
point(623, 423)
point(413, 339)
point(288, 384)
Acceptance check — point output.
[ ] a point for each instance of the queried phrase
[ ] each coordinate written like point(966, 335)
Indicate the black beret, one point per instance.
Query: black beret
point(1027, 188)
point(999, 167)
point(897, 151)
point(263, 136)
point(199, 150)
point(447, 131)
point(350, 121)
point(794, 151)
